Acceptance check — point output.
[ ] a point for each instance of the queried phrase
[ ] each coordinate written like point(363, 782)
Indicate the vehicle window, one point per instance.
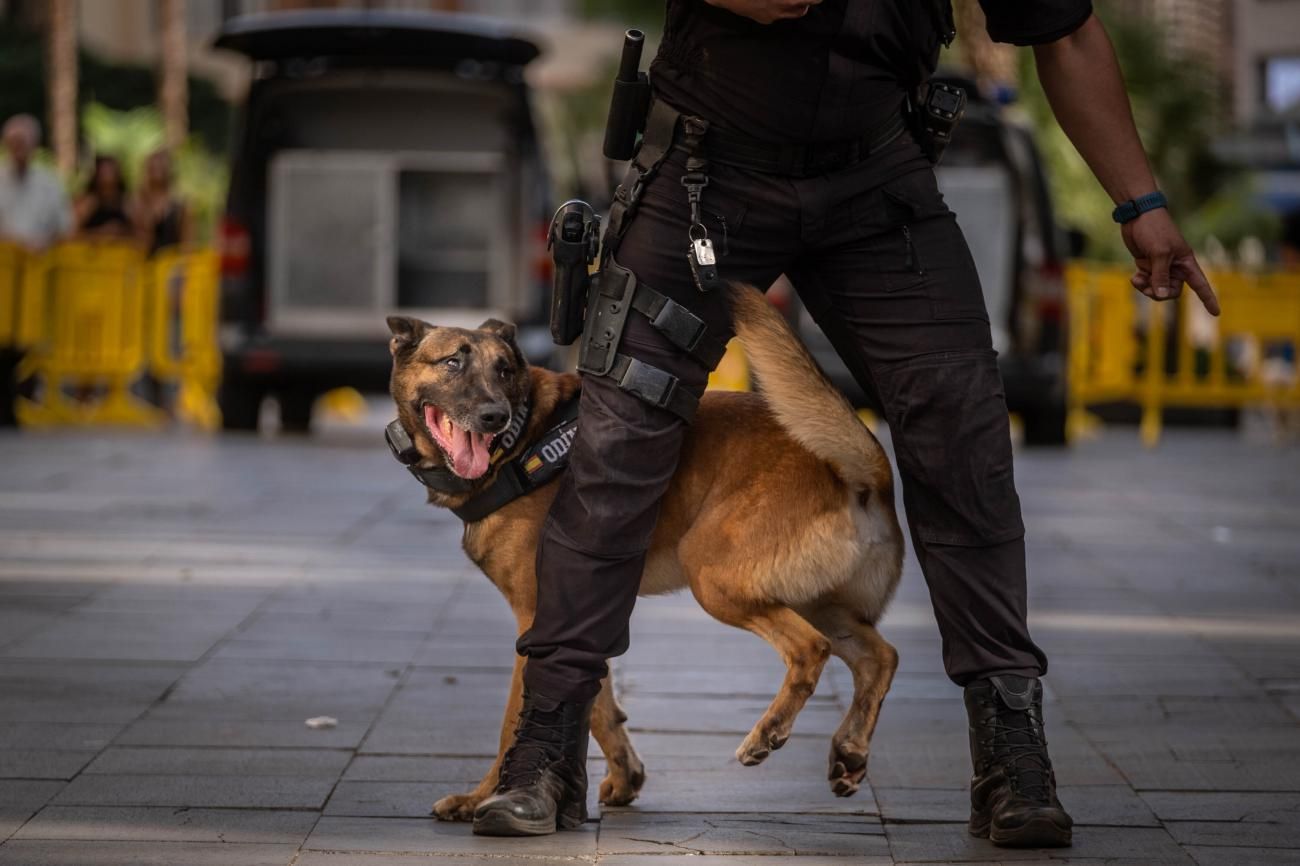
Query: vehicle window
point(444, 233)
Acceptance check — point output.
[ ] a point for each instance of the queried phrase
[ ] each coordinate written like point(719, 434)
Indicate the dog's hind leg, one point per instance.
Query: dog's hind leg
point(803, 649)
point(872, 660)
point(625, 774)
point(460, 807)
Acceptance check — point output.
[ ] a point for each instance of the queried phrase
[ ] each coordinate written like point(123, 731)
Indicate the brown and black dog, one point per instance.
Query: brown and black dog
point(780, 519)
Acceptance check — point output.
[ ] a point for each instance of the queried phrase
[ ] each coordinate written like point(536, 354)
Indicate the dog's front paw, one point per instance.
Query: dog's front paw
point(848, 767)
point(760, 743)
point(622, 785)
point(457, 807)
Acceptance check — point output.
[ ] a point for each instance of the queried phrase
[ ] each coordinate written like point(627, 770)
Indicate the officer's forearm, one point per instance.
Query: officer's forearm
point(1084, 85)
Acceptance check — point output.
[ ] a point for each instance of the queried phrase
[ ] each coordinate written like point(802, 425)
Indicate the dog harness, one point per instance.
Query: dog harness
point(532, 468)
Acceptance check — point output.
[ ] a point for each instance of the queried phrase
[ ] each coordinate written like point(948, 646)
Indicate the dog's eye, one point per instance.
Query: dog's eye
point(503, 370)
point(452, 363)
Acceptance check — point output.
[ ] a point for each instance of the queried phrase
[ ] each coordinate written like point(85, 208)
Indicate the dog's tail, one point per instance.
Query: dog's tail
point(805, 403)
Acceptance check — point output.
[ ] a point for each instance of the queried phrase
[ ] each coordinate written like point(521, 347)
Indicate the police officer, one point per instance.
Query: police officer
point(792, 110)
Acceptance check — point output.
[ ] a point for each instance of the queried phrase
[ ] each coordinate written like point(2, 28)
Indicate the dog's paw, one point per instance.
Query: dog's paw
point(456, 807)
point(621, 786)
point(848, 767)
point(758, 745)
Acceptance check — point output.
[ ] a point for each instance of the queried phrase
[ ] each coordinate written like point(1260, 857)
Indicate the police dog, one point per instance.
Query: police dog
point(780, 519)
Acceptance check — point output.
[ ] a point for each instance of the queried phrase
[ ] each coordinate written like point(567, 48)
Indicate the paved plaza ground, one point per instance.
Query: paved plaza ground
point(172, 608)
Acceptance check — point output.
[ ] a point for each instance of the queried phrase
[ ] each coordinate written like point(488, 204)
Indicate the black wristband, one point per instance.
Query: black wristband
point(1134, 208)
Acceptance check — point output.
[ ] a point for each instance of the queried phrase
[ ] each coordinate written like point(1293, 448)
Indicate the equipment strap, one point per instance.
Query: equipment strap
point(654, 386)
point(680, 326)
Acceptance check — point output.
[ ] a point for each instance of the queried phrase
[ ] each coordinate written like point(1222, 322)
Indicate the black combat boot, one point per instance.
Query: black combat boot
point(1013, 792)
point(543, 783)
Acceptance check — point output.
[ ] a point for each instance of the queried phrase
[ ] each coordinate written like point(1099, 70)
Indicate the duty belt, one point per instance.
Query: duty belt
point(798, 160)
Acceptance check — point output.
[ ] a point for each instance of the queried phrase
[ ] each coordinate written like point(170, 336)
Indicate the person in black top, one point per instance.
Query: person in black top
point(103, 210)
point(792, 108)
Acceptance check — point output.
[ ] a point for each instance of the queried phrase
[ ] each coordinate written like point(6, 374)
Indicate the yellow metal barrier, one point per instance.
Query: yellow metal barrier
point(12, 259)
point(182, 319)
point(1127, 348)
point(94, 318)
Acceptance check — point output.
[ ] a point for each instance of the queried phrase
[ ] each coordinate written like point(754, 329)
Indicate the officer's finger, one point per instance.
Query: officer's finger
point(1160, 263)
point(1196, 279)
point(1140, 280)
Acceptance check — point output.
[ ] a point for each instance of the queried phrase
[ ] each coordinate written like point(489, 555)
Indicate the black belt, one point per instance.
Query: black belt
point(798, 160)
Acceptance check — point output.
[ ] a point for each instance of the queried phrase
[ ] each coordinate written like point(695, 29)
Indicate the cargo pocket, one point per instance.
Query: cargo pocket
point(948, 419)
point(886, 220)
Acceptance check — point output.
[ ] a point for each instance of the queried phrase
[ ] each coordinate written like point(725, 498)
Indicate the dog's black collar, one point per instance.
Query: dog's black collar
point(520, 475)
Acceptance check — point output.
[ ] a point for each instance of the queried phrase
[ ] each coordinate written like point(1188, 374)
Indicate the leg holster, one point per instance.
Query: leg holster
point(616, 293)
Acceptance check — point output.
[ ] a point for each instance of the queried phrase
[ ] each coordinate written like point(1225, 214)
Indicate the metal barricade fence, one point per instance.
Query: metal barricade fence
point(1125, 347)
point(96, 322)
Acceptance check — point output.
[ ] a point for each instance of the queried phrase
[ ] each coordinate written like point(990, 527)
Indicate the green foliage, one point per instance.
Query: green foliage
point(118, 86)
point(1174, 107)
point(201, 176)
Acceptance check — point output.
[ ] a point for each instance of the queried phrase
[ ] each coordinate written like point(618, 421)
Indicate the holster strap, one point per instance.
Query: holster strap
point(654, 386)
point(680, 326)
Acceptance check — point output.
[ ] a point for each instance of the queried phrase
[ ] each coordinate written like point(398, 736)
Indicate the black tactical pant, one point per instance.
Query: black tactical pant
point(880, 263)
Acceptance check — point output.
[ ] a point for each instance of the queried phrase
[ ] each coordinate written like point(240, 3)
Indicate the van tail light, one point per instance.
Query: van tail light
point(1051, 290)
point(235, 248)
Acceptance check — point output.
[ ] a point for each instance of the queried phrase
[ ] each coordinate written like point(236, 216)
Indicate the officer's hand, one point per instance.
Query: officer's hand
point(1165, 260)
point(766, 11)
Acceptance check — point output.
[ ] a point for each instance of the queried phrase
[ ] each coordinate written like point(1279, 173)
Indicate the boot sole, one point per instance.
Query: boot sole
point(1034, 833)
point(504, 823)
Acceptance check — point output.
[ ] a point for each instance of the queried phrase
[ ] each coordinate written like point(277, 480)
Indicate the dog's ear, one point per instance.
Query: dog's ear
point(407, 333)
point(506, 331)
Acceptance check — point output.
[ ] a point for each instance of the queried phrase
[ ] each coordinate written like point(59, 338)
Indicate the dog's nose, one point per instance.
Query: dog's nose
point(493, 417)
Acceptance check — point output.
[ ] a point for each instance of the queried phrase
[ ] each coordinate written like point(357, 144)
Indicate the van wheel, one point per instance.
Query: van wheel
point(295, 411)
point(1045, 425)
point(241, 404)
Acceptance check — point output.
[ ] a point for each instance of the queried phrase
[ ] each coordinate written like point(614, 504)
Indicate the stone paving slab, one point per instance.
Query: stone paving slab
point(20, 799)
point(629, 832)
point(42, 763)
point(238, 792)
point(168, 824)
point(1216, 856)
point(64, 853)
point(136, 761)
point(1089, 805)
point(426, 836)
point(946, 843)
point(288, 733)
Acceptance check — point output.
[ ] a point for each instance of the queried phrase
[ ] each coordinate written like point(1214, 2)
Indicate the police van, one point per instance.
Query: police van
point(385, 162)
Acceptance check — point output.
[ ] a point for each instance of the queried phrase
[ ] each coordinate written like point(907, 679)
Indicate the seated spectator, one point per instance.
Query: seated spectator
point(33, 208)
point(163, 219)
point(103, 209)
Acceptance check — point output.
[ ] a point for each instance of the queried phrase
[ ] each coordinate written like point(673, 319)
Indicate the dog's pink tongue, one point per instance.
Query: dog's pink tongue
point(469, 453)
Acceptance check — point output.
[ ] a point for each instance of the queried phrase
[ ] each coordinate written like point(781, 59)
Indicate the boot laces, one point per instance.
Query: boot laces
point(1016, 741)
point(540, 739)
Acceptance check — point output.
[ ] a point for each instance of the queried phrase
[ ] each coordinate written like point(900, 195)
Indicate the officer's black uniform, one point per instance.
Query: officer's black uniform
point(881, 265)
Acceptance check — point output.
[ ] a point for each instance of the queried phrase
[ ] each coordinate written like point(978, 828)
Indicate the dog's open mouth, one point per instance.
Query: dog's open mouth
point(467, 452)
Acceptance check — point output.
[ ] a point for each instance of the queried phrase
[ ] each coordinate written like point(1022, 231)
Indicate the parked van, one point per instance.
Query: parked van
point(385, 162)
